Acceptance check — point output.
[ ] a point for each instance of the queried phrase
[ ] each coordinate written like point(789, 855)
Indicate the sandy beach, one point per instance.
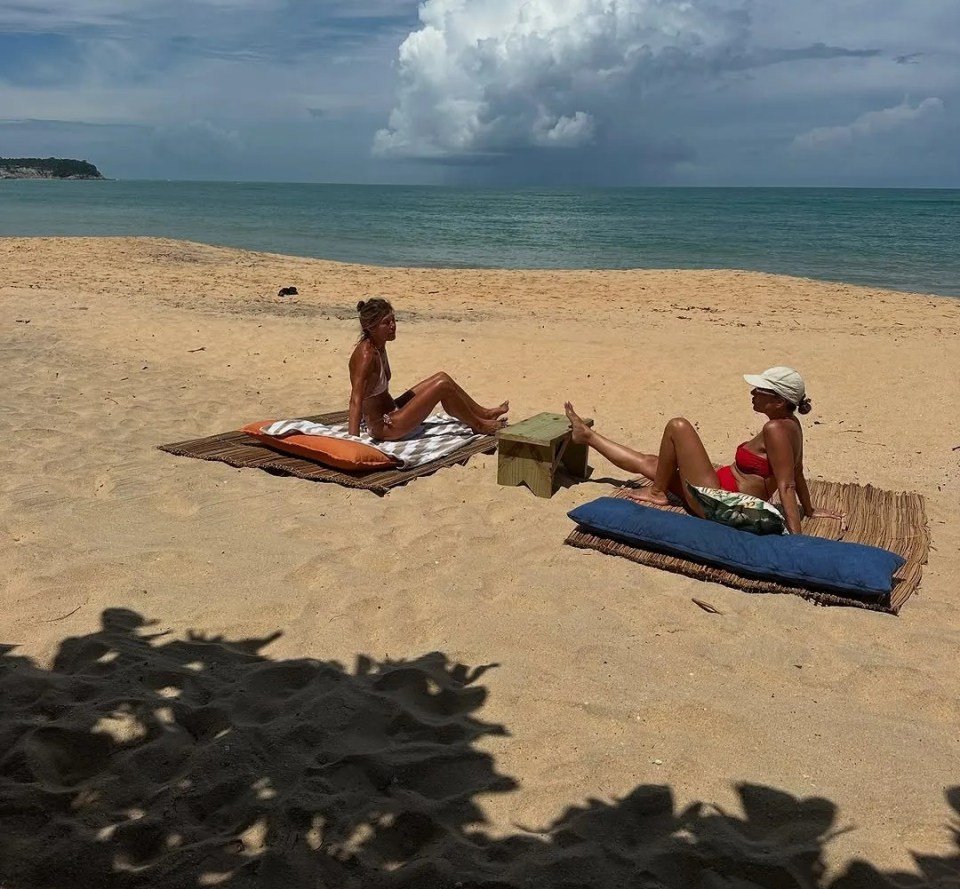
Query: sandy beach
point(169, 762)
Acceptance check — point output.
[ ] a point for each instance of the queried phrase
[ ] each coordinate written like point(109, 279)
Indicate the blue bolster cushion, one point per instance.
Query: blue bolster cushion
point(803, 560)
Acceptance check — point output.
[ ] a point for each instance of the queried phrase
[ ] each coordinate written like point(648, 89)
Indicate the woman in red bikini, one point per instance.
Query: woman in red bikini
point(771, 461)
point(370, 399)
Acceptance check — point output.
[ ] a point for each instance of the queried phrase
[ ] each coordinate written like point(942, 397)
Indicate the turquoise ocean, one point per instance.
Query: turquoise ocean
point(892, 238)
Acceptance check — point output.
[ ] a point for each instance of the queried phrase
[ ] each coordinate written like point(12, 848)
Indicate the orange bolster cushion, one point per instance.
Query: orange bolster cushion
point(335, 452)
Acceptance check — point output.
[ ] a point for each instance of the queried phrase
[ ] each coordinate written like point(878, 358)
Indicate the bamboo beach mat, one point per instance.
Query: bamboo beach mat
point(239, 449)
point(887, 519)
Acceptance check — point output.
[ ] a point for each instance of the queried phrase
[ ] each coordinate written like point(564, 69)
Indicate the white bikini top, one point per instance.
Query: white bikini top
point(380, 386)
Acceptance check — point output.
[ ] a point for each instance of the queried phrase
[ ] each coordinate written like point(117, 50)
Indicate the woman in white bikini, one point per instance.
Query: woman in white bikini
point(390, 419)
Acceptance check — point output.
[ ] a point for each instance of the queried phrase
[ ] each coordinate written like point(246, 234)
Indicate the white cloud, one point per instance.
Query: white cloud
point(566, 132)
point(871, 124)
point(486, 76)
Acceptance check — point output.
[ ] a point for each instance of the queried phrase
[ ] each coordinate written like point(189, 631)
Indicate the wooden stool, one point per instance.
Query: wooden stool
point(531, 451)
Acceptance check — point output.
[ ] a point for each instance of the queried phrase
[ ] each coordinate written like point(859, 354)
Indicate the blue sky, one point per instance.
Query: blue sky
point(605, 92)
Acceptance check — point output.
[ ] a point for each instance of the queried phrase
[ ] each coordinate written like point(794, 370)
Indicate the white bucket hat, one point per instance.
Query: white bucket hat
point(785, 381)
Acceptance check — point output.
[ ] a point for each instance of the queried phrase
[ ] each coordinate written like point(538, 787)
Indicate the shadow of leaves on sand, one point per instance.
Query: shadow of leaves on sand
point(139, 760)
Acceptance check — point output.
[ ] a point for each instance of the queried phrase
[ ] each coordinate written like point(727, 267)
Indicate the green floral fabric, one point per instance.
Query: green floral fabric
point(742, 511)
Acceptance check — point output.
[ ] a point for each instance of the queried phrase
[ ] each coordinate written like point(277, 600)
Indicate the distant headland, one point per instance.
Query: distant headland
point(47, 168)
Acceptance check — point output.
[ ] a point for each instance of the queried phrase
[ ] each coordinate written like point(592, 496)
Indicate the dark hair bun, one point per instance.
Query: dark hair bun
point(805, 406)
point(361, 304)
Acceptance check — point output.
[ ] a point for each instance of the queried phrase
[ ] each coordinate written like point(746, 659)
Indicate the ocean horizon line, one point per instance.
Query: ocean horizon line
point(507, 188)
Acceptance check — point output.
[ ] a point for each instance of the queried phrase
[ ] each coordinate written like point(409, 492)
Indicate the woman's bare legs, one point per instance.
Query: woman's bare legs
point(619, 455)
point(682, 458)
point(489, 413)
point(438, 389)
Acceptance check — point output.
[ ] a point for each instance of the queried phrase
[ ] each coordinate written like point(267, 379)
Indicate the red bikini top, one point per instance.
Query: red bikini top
point(751, 463)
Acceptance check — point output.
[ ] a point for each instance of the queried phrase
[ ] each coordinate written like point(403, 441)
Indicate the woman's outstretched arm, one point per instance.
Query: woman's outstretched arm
point(360, 364)
point(783, 462)
point(803, 493)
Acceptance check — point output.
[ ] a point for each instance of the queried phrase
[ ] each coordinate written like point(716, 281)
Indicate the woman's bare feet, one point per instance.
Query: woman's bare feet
point(581, 431)
point(495, 413)
point(648, 495)
point(489, 427)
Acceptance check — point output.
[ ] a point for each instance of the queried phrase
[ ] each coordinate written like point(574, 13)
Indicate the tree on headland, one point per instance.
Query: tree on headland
point(47, 168)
